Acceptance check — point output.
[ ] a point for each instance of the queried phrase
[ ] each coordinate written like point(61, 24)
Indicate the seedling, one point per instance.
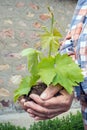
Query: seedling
point(50, 68)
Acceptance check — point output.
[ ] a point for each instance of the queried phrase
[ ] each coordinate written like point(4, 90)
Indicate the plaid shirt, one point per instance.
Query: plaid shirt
point(75, 43)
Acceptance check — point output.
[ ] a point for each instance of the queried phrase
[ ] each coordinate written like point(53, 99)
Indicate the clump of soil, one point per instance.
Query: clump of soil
point(36, 89)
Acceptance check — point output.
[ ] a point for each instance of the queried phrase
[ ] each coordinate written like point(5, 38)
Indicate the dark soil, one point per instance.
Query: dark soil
point(37, 89)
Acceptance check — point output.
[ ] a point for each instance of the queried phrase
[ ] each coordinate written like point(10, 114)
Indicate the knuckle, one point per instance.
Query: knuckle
point(44, 104)
point(67, 104)
point(47, 113)
point(50, 116)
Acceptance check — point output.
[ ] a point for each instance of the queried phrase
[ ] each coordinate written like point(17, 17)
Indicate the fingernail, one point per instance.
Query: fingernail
point(29, 110)
point(26, 104)
point(22, 100)
point(43, 96)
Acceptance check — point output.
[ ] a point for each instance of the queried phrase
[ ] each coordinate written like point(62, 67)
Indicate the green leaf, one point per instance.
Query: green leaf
point(54, 46)
point(45, 39)
point(47, 75)
point(46, 70)
point(68, 74)
point(62, 70)
point(33, 59)
point(28, 51)
point(56, 33)
point(46, 62)
point(32, 63)
point(50, 40)
point(25, 86)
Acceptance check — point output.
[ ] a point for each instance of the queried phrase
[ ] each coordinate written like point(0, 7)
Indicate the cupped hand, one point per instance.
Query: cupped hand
point(47, 106)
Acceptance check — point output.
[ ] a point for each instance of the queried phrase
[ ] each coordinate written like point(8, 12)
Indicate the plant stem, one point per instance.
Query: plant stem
point(50, 50)
point(51, 30)
point(52, 22)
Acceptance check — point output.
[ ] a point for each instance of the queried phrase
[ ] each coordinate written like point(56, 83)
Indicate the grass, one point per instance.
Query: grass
point(9, 126)
point(70, 122)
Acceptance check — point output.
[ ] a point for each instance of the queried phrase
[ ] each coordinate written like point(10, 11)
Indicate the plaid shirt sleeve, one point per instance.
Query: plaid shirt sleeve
point(75, 43)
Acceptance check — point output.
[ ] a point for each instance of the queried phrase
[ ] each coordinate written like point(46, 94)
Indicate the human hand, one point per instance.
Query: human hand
point(45, 95)
point(47, 106)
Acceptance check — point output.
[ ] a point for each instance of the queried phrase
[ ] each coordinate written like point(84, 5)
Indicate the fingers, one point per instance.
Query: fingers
point(55, 106)
point(35, 109)
point(50, 92)
point(36, 98)
point(65, 93)
point(21, 102)
point(41, 109)
point(50, 103)
point(59, 101)
point(38, 112)
point(48, 115)
point(44, 118)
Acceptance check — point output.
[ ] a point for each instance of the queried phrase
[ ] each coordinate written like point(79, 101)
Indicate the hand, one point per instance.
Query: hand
point(47, 94)
point(47, 106)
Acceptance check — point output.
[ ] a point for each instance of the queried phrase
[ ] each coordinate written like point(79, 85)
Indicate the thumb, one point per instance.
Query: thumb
point(50, 91)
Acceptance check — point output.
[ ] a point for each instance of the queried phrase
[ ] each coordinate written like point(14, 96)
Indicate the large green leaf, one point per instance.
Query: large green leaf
point(68, 74)
point(47, 75)
point(61, 69)
point(46, 70)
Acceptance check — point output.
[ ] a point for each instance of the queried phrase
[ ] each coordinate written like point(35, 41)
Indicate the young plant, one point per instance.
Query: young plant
point(50, 68)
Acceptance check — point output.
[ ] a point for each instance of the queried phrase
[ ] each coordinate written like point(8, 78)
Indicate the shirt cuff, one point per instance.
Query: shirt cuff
point(67, 48)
